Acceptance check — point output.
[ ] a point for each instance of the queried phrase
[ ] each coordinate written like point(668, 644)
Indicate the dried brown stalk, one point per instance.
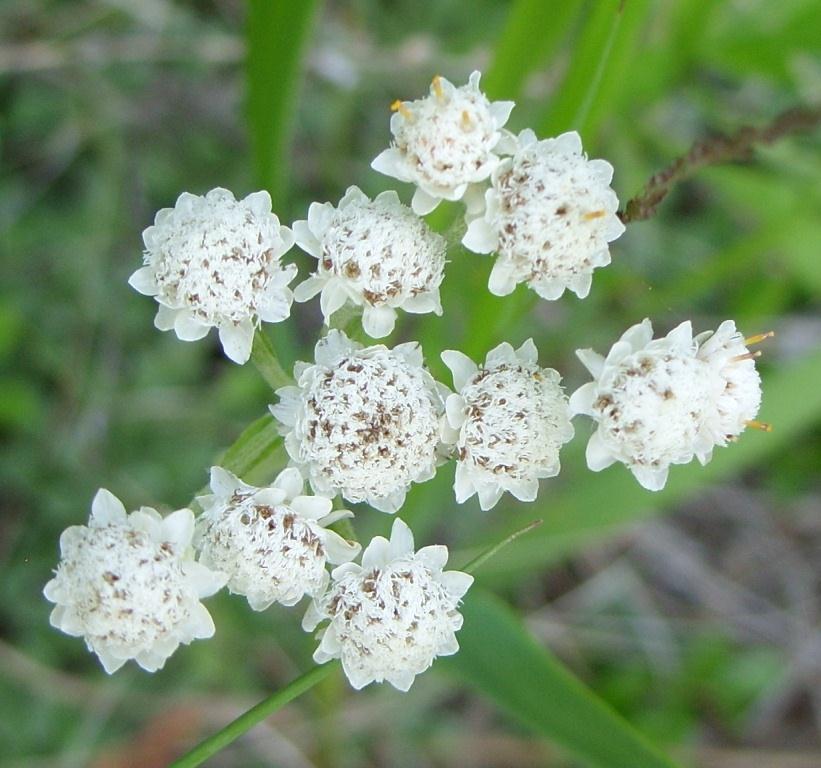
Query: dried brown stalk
point(716, 149)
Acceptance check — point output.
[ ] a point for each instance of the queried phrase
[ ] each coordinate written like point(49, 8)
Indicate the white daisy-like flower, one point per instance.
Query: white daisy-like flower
point(445, 142)
point(363, 422)
point(214, 261)
point(654, 401)
point(512, 418)
point(727, 354)
point(549, 216)
point(390, 617)
point(375, 254)
point(272, 542)
point(129, 585)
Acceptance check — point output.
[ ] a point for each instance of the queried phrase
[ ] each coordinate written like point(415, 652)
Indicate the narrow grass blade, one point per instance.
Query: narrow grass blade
point(276, 31)
point(499, 657)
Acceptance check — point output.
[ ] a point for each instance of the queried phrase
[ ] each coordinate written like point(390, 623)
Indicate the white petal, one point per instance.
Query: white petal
point(422, 202)
point(107, 508)
point(389, 162)
point(144, 281)
point(259, 203)
point(402, 681)
point(569, 143)
point(461, 366)
point(178, 528)
point(223, 483)
point(528, 353)
point(598, 455)
point(502, 281)
point(339, 550)
point(602, 169)
point(463, 485)
point(320, 216)
point(311, 507)
point(110, 663)
point(164, 320)
point(202, 623)
point(434, 556)
point(455, 411)
point(650, 479)
point(392, 502)
point(456, 582)
point(591, 360)
point(309, 288)
point(187, 328)
point(204, 580)
point(290, 481)
point(376, 554)
point(681, 337)
point(237, 340)
point(489, 495)
point(401, 539)
point(423, 303)
point(581, 401)
point(480, 237)
point(311, 618)
point(276, 306)
point(378, 322)
point(305, 239)
point(500, 112)
point(638, 336)
point(333, 297)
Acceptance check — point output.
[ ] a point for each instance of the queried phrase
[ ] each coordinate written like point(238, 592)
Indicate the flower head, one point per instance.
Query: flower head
point(128, 584)
point(725, 352)
point(272, 542)
point(549, 215)
point(376, 254)
point(444, 142)
point(654, 401)
point(215, 261)
point(512, 418)
point(363, 422)
point(390, 617)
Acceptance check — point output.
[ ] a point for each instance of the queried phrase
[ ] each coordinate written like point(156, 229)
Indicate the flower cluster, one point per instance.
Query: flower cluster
point(658, 402)
point(366, 422)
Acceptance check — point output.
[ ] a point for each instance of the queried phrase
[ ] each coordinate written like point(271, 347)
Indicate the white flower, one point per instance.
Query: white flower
point(376, 254)
point(364, 423)
point(390, 617)
point(725, 351)
point(655, 403)
point(549, 215)
point(215, 261)
point(444, 142)
point(272, 542)
point(128, 584)
point(512, 418)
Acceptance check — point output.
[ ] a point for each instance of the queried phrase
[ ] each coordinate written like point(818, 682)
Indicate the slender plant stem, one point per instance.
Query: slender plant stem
point(714, 150)
point(254, 716)
point(481, 559)
point(267, 362)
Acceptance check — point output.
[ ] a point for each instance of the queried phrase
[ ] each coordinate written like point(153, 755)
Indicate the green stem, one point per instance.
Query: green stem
point(481, 559)
point(267, 363)
point(254, 716)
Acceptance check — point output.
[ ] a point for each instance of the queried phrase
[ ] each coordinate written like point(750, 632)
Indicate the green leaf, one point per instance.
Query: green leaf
point(257, 446)
point(599, 68)
point(532, 34)
point(503, 661)
point(277, 31)
point(608, 501)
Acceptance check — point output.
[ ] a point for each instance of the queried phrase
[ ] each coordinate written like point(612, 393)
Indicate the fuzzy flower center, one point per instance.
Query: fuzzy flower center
point(654, 405)
point(371, 425)
point(266, 550)
point(126, 589)
point(448, 136)
point(385, 250)
point(516, 417)
point(551, 209)
point(217, 260)
point(390, 619)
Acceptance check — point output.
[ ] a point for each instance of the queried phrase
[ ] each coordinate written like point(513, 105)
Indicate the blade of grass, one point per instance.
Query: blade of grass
point(599, 68)
point(277, 32)
point(532, 34)
point(499, 657)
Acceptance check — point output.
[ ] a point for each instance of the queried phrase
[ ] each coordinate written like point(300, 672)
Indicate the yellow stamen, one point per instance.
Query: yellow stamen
point(746, 356)
point(399, 106)
point(590, 215)
point(758, 338)
point(436, 84)
point(762, 425)
point(466, 121)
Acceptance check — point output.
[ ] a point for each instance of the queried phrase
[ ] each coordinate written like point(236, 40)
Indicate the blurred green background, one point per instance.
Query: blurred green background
point(700, 626)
